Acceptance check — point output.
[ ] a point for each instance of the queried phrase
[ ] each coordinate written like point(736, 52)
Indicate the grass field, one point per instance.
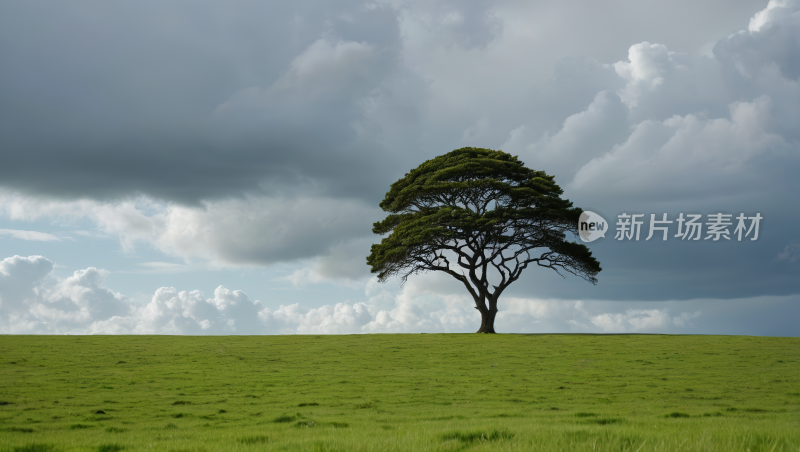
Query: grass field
point(425, 392)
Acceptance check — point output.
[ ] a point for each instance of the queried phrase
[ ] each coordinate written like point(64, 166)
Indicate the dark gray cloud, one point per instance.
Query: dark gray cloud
point(104, 100)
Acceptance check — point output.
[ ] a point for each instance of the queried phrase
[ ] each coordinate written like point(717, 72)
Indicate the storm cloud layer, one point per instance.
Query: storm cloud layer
point(255, 134)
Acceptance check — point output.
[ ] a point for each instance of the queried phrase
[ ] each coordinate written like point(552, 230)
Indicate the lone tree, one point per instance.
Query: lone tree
point(474, 214)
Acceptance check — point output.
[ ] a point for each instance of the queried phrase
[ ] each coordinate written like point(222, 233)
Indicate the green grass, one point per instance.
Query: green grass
point(427, 392)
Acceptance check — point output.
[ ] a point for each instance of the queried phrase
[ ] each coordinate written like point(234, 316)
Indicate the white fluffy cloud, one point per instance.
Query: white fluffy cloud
point(684, 126)
point(33, 301)
point(174, 312)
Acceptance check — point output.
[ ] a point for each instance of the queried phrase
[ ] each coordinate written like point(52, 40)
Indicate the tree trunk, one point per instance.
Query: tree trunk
point(487, 320)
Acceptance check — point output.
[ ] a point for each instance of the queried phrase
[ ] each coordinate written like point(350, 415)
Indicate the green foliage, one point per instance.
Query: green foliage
point(473, 211)
point(473, 170)
point(429, 392)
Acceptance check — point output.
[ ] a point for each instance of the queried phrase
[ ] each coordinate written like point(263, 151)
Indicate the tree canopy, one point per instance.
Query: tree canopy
point(478, 215)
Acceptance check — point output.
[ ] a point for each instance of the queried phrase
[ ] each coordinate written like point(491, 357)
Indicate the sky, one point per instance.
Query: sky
point(216, 167)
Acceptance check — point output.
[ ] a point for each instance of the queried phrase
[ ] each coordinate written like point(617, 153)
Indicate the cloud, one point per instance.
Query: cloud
point(344, 264)
point(174, 312)
point(30, 235)
point(634, 319)
point(252, 97)
point(341, 318)
point(32, 300)
point(250, 231)
point(19, 276)
point(685, 317)
point(292, 98)
point(162, 267)
point(645, 71)
point(263, 133)
point(791, 253)
point(324, 66)
point(468, 24)
point(601, 125)
point(771, 39)
point(666, 131)
point(323, 82)
point(711, 155)
point(682, 125)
